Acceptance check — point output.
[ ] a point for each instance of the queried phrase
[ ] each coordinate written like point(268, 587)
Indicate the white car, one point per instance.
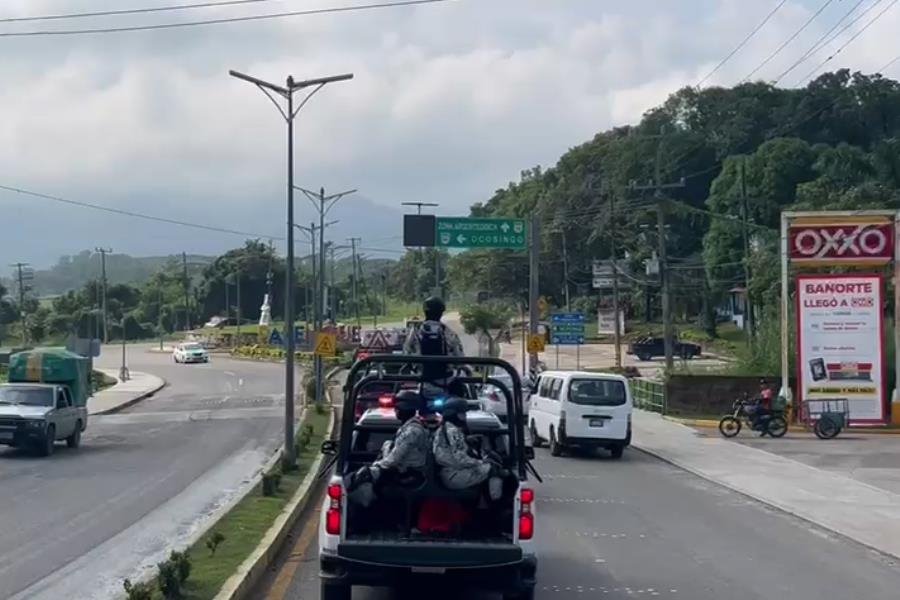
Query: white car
point(190, 352)
point(492, 400)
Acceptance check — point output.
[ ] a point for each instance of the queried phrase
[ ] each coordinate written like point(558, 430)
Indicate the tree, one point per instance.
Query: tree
point(487, 319)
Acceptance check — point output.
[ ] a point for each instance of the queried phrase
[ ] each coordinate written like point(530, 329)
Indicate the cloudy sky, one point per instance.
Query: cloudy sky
point(449, 102)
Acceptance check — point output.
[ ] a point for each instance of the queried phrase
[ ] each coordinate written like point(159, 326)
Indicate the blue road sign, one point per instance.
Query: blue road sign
point(567, 318)
point(275, 338)
point(566, 340)
point(299, 334)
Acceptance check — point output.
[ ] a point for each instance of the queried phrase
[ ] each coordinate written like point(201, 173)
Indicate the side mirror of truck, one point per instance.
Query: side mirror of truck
point(329, 447)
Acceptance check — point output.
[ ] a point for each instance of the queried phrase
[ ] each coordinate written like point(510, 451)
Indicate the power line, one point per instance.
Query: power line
point(219, 21)
point(136, 215)
point(824, 40)
point(129, 11)
point(850, 41)
point(788, 41)
point(743, 43)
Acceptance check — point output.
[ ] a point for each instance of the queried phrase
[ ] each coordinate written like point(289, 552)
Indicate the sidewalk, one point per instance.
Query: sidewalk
point(124, 393)
point(856, 510)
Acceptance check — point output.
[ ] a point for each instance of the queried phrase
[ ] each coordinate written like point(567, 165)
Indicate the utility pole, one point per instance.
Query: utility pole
point(237, 283)
point(657, 186)
point(103, 252)
point(533, 289)
point(384, 292)
point(187, 292)
point(20, 278)
point(565, 254)
point(748, 306)
point(159, 305)
point(322, 204)
point(617, 336)
point(355, 281)
point(287, 92)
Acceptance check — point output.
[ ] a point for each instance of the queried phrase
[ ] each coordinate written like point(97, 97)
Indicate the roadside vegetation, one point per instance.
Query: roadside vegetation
point(216, 556)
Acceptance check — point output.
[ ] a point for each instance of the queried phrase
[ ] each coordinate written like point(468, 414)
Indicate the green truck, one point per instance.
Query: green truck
point(45, 400)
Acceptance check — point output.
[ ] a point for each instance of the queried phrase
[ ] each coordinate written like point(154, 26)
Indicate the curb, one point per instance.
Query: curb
point(163, 383)
point(762, 500)
point(249, 573)
point(713, 424)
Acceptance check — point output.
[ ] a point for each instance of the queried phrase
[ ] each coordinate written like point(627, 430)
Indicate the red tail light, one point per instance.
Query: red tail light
point(362, 355)
point(494, 396)
point(526, 515)
point(386, 401)
point(333, 516)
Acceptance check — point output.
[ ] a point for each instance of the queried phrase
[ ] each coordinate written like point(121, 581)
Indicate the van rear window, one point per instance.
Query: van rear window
point(597, 392)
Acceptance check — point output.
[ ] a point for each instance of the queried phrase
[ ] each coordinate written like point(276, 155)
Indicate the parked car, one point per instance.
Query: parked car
point(583, 410)
point(648, 347)
point(190, 352)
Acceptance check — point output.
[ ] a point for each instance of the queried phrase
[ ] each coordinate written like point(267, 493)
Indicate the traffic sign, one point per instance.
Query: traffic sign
point(562, 318)
point(567, 329)
point(543, 305)
point(378, 341)
point(326, 344)
point(535, 343)
point(464, 232)
point(275, 338)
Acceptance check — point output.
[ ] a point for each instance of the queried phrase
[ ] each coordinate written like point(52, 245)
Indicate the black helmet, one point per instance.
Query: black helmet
point(433, 307)
point(454, 408)
point(408, 400)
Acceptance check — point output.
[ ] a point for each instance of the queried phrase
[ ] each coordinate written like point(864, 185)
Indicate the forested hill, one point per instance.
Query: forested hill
point(831, 145)
point(71, 272)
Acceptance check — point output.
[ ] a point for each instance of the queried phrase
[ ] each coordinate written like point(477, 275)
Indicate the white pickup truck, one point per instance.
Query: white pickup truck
point(38, 415)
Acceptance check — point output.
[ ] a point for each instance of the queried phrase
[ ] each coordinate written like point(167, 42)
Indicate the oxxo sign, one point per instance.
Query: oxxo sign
point(845, 243)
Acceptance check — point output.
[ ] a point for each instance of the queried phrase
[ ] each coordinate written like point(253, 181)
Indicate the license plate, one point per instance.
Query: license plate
point(6, 436)
point(597, 422)
point(429, 570)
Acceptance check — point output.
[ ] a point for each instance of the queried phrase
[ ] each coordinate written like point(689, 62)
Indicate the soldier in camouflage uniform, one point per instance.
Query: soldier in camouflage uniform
point(462, 466)
point(401, 459)
point(409, 449)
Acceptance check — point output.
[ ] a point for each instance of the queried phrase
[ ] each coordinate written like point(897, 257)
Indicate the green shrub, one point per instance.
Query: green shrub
point(168, 580)
point(270, 483)
point(213, 541)
point(138, 591)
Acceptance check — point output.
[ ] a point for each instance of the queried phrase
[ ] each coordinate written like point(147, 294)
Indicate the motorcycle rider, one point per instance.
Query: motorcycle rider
point(461, 466)
point(763, 405)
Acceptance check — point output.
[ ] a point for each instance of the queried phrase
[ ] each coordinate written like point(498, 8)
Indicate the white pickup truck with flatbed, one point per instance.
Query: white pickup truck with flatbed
point(380, 544)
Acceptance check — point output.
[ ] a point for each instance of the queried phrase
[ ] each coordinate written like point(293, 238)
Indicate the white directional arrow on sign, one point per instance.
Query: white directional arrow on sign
point(505, 227)
point(461, 239)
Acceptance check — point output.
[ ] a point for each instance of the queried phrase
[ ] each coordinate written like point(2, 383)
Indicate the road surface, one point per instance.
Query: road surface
point(76, 524)
point(640, 528)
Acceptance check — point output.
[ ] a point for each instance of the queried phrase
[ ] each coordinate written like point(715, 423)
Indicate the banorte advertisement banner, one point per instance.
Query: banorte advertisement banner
point(841, 343)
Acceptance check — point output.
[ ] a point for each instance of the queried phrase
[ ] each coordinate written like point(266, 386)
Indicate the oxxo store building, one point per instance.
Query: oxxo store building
point(840, 264)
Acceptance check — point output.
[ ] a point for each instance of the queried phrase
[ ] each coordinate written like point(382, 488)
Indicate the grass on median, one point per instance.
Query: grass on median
point(244, 525)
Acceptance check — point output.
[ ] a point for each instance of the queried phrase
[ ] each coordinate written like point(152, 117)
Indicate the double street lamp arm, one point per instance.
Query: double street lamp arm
point(289, 113)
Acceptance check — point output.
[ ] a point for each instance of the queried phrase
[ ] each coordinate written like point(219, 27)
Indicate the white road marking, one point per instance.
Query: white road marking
point(230, 373)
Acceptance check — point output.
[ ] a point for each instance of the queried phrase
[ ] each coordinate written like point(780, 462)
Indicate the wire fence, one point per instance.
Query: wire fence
point(648, 395)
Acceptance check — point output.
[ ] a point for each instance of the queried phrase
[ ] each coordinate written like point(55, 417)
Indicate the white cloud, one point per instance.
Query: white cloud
point(448, 103)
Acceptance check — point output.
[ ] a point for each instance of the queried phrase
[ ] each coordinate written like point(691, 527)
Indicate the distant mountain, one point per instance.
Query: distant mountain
point(72, 272)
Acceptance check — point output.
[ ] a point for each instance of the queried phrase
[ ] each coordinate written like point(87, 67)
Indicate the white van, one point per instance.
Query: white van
point(578, 409)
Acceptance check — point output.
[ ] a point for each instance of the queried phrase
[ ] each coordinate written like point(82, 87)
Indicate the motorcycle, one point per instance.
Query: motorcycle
point(744, 411)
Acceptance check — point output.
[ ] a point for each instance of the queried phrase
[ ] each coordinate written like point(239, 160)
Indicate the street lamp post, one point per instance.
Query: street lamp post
point(287, 92)
point(322, 204)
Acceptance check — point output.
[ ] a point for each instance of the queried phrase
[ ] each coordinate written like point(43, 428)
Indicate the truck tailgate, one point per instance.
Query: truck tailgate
point(443, 553)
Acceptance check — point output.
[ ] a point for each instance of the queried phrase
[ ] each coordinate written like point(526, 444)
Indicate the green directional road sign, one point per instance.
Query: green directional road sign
point(462, 232)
